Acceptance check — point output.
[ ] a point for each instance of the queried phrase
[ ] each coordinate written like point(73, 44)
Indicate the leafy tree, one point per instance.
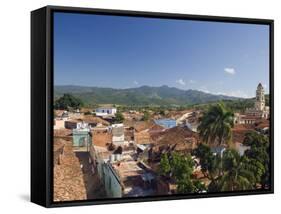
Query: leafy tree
point(88, 113)
point(165, 167)
point(68, 101)
point(119, 118)
point(210, 164)
point(199, 187)
point(185, 185)
point(236, 173)
point(255, 139)
point(258, 156)
point(216, 124)
point(180, 167)
point(162, 112)
point(146, 116)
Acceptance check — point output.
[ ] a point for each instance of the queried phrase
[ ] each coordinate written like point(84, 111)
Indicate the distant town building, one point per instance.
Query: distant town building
point(118, 170)
point(81, 138)
point(58, 124)
point(118, 136)
point(65, 115)
point(166, 123)
point(260, 110)
point(59, 120)
point(105, 111)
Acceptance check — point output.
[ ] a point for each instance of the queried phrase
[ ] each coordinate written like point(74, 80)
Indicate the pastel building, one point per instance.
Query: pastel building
point(105, 111)
point(81, 138)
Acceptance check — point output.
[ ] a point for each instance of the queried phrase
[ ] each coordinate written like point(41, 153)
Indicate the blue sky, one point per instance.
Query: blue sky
point(126, 52)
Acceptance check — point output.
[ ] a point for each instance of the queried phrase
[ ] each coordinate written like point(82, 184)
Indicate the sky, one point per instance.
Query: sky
point(128, 52)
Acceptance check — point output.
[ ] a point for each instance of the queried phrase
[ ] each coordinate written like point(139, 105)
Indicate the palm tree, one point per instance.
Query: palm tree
point(216, 124)
point(236, 173)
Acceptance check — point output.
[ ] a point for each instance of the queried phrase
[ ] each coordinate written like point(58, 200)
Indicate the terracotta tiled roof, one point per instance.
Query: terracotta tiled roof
point(178, 138)
point(142, 137)
point(156, 127)
point(62, 132)
point(93, 119)
point(239, 131)
point(262, 124)
point(242, 127)
point(101, 139)
point(68, 177)
point(250, 117)
point(142, 125)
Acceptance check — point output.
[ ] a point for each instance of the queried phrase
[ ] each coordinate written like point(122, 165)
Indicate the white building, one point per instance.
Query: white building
point(260, 110)
point(118, 136)
point(105, 111)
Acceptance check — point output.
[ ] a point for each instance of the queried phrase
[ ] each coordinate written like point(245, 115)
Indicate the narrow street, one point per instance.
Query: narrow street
point(94, 187)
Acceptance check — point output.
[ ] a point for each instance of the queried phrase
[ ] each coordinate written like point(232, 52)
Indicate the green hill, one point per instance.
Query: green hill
point(144, 95)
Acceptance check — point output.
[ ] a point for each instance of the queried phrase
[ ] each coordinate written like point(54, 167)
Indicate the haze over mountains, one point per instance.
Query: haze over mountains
point(144, 95)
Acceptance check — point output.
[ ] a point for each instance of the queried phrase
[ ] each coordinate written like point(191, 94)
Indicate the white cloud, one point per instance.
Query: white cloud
point(238, 93)
point(204, 89)
point(192, 81)
point(230, 71)
point(135, 82)
point(181, 82)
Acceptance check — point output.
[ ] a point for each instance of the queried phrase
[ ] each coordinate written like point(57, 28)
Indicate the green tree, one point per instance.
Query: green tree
point(68, 101)
point(162, 112)
point(88, 113)
point(119, 118)
point(146, 116)
point(216, 124)
point(258, 156)
point(236, 174)
point(210, 164)
point(180, 167)
point(165, 167)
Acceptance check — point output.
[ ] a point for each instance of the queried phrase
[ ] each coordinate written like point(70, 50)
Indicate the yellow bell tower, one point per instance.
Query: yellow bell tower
point(260, 100)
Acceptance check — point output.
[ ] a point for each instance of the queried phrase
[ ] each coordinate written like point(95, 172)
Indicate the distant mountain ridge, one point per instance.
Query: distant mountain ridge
point(144, 95)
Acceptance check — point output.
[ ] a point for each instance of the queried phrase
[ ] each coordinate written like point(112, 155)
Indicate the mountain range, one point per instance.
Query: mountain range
point(144, 95)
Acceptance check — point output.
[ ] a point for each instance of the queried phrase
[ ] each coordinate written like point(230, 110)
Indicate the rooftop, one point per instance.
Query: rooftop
point(117, 129)
point(133, 175)
point(107, 107)
point(68, 176)
point(143, 125)
point(239, 131)
point(102, 139)
point(166, 123)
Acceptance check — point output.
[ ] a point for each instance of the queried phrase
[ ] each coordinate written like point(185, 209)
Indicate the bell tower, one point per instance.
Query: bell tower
point(260, 100)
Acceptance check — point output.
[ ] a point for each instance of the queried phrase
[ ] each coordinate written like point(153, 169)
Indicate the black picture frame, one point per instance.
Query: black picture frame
point(42, 102)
